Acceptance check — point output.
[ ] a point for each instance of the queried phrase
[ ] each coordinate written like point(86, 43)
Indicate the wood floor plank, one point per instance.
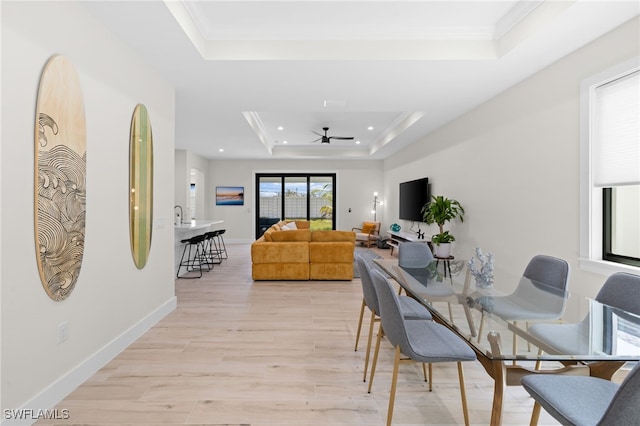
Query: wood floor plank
point(239, 352)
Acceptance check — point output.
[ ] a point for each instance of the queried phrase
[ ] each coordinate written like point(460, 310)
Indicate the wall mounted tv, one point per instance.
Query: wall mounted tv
point(413, 195)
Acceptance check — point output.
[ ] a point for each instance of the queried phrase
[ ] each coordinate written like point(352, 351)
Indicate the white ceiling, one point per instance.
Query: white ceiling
point(242, 69)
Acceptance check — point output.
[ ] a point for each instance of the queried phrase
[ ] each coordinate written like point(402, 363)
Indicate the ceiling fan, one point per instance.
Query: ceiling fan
point(327, 139)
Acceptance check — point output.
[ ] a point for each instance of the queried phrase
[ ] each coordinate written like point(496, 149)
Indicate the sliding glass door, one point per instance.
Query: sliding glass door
point(291, 196)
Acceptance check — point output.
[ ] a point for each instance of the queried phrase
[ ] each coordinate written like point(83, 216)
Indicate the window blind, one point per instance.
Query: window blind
point(616, 132)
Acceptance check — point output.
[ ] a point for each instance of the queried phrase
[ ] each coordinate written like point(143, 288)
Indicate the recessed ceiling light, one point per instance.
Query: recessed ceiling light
point(280, 128)
point(370, 128)
point(221, 150)
point(357, 142)
point(284, 141)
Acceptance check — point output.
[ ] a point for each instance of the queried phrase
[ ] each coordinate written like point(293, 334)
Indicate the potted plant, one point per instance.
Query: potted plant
point(441, 210)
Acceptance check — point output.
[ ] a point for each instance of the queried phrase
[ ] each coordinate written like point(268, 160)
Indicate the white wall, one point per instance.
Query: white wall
point(356, 182)
point(513, 163)
point(181, 184)
point(113, 301)
point(184, 162)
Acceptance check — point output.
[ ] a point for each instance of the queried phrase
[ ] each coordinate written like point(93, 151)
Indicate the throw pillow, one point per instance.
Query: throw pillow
point(368, 227)
point(289, 226)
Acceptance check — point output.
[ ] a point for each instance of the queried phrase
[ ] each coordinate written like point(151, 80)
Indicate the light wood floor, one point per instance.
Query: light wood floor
point(271, 353)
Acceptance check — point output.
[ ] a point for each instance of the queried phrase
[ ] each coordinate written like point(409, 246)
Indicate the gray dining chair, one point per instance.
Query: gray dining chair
point(620, 290)
point(545, 300)
point(583, 400)
point(410, 308)
point(420, 341)
point(413, 254)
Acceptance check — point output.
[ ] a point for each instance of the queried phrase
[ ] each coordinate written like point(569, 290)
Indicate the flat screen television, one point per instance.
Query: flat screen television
point(413, 196)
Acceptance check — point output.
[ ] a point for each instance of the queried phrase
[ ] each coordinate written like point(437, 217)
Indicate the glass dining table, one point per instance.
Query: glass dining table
point(598, 344)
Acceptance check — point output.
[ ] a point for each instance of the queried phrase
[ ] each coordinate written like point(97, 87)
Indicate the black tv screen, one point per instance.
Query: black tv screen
point(413, 196)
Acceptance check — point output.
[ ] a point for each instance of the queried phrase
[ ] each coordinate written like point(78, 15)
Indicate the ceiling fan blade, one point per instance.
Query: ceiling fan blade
point(316, 133)
point(317, 140)
point(344, 138)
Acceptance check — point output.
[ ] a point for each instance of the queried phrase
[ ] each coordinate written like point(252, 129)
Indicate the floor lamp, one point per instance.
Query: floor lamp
point(375, 205)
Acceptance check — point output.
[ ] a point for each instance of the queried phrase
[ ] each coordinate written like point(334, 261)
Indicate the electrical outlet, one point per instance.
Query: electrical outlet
point(63, 332)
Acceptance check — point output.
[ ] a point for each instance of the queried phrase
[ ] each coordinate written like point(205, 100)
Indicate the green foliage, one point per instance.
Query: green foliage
point(327, 194)
point(444, 237)
point(441, 210)
point(321, 224)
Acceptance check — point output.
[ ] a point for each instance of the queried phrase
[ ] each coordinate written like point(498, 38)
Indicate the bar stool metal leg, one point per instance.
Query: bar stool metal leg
point(221, 245)
point(212, 251)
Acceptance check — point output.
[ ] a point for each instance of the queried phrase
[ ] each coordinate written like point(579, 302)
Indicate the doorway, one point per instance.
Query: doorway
point(295, 196)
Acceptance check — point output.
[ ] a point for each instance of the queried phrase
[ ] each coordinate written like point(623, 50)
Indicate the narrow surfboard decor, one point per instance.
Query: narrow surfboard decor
point(140, 185)
point(60, 177)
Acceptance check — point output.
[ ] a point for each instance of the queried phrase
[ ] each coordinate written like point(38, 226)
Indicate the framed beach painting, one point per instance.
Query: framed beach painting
point(229, 195)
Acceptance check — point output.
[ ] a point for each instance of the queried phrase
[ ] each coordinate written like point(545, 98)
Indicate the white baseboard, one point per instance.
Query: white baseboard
point(29, 413)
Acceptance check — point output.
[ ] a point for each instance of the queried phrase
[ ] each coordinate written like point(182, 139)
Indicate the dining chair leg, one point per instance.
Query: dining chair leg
point(366, 357)
point(360, 323)
point(539, 362)
point(430, 377)
point(480, 327)
point(394, 381)
point(469, 315)
point(535, 414)
point(515, 342)
point(375, 357)
point(463, 394)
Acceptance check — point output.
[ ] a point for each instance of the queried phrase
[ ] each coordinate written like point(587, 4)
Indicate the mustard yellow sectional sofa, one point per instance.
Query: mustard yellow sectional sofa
point(302, 254)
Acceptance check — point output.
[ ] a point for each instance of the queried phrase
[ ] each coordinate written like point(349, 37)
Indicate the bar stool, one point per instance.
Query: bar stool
point(194, 252)
point(221, 245)
point(212, 249)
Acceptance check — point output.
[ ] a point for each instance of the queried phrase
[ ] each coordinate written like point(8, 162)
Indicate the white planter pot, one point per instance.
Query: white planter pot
point(442, 250)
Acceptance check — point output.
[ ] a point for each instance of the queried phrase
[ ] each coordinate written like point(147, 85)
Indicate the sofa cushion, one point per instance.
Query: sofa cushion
point(331, 252)
point(303, 224)
point(293, 235)
point(321, 236)
point(331, 271)
point(280, 271)
point(292, 252)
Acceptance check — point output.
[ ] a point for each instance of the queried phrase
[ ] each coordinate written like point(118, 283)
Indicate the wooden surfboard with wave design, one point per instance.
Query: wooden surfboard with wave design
point(60, 178)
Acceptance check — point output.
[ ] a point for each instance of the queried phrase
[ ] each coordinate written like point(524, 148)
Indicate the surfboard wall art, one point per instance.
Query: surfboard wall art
point(60, 177)
point(140, 185)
